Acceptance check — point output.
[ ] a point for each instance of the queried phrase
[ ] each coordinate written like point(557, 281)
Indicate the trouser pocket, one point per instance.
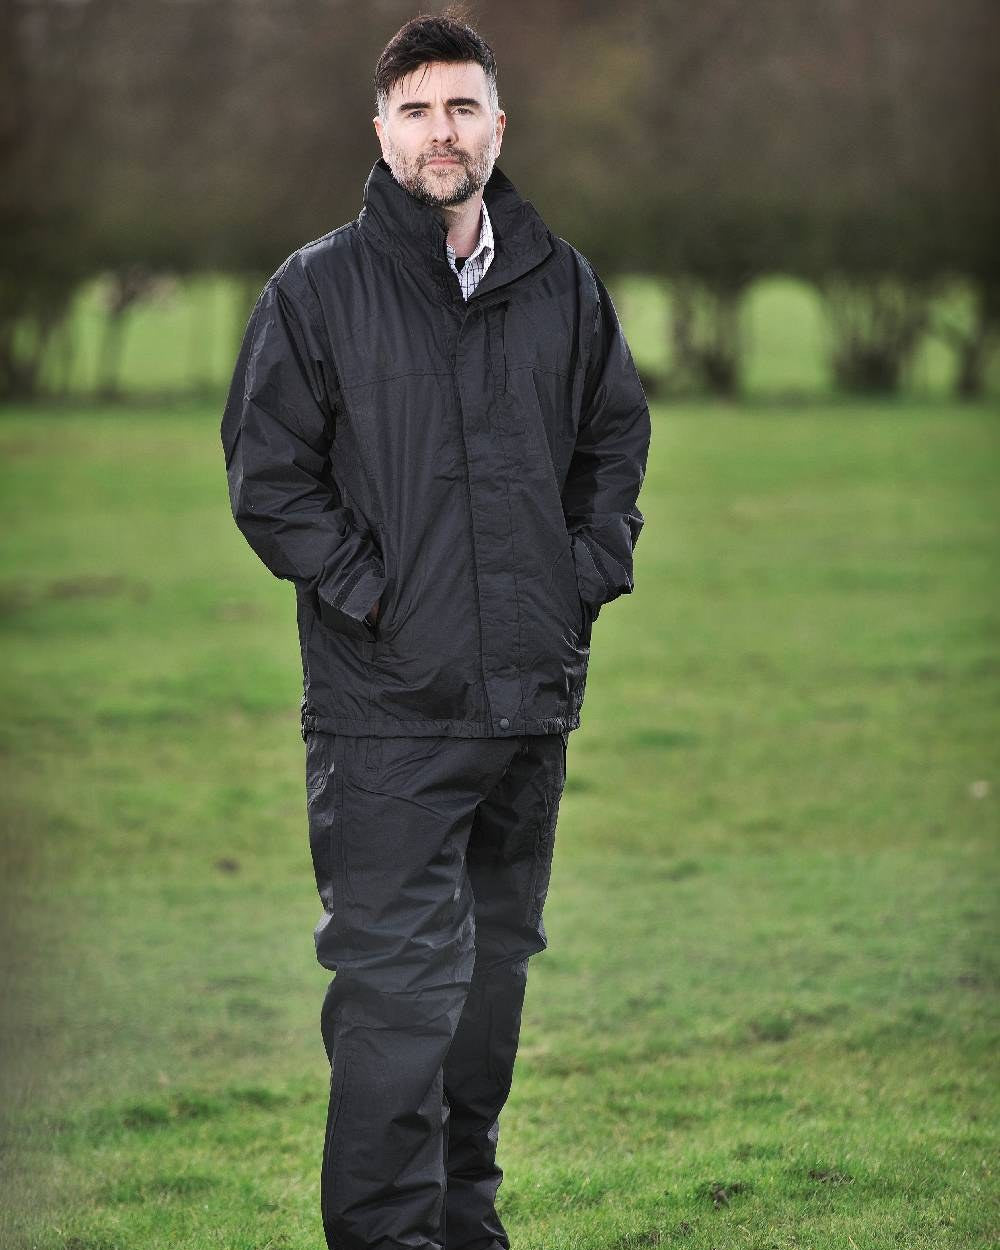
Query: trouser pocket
point(324, 783)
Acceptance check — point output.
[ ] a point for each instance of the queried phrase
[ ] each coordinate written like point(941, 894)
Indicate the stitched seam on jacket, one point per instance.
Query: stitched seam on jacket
point(392, 377)
point(528, 364)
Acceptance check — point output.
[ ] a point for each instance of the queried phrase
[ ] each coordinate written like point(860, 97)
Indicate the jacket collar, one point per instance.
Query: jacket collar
point(410, 231)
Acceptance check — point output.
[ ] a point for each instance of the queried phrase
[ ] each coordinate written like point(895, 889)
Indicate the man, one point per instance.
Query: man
point(437, 433)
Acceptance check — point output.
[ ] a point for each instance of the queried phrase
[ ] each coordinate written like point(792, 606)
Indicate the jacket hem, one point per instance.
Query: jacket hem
point(382, 727)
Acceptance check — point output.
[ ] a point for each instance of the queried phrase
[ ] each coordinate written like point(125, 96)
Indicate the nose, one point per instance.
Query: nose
point(443, 127)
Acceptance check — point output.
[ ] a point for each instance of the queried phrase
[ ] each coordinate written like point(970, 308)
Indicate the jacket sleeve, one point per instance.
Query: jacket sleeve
point(609, 463)
point(277, 431)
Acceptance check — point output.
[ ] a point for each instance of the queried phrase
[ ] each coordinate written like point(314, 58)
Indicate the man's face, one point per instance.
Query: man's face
point(441, 110)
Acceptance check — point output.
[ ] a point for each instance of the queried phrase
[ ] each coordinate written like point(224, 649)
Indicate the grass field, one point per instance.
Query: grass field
point(767, 1017)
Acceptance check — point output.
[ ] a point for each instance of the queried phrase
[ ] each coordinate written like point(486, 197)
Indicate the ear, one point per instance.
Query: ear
point(377, 122)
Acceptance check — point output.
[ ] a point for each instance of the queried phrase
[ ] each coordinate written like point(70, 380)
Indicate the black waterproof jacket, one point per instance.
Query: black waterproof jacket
point(476, 464)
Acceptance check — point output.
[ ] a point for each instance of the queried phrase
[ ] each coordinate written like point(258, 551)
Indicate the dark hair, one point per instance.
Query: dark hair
point(428, 37)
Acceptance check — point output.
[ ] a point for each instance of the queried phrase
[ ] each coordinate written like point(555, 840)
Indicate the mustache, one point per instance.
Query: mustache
point(449, 156)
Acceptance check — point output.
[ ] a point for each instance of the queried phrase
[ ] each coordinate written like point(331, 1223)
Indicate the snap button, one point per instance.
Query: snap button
point(504, 722)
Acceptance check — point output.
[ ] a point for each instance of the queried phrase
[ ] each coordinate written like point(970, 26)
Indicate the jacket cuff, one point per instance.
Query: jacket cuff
point(354, 600)
point(591, 582)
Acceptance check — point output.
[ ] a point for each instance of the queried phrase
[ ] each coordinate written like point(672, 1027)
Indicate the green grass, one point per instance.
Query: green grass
point(767, 1017)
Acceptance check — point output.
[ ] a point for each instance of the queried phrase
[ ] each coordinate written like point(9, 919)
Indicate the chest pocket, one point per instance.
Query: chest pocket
point(508, 416)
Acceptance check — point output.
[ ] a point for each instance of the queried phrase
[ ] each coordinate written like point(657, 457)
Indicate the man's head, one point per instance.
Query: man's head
point(436, 94)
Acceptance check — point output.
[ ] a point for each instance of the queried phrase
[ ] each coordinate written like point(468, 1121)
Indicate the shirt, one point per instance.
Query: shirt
point(478, 262)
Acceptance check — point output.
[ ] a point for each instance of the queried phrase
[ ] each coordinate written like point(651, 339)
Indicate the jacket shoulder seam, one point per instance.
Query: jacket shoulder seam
point(594, 294)
point(298, 262)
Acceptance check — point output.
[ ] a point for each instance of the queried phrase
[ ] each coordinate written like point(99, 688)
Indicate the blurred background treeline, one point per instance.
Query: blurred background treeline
point(787, 199)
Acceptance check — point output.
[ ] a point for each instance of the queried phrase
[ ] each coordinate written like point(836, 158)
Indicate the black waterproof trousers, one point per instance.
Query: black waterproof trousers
point(432, 858)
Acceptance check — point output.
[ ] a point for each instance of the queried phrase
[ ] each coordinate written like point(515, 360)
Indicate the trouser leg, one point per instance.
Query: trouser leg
point(509, 863)
point(431, 858)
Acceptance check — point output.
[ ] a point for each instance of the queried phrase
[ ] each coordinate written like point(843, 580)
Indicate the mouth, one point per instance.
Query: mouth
point(442, 160)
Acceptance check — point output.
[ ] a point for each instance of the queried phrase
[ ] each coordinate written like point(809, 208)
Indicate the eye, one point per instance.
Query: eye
point(463, 109)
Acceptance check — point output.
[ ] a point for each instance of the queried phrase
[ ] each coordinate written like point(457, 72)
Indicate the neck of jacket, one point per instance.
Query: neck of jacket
point(411, 232)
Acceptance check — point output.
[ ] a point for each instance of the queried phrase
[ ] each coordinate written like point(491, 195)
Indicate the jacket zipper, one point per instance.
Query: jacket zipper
point(472, 539)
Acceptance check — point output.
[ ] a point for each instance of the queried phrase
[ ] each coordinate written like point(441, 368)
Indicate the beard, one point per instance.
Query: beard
point(419, 179)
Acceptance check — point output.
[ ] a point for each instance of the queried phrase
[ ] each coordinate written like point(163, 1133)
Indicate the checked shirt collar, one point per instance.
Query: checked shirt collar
point(478, 261)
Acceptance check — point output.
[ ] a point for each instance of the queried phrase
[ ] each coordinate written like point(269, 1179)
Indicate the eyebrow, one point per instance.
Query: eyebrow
point(452, 103)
